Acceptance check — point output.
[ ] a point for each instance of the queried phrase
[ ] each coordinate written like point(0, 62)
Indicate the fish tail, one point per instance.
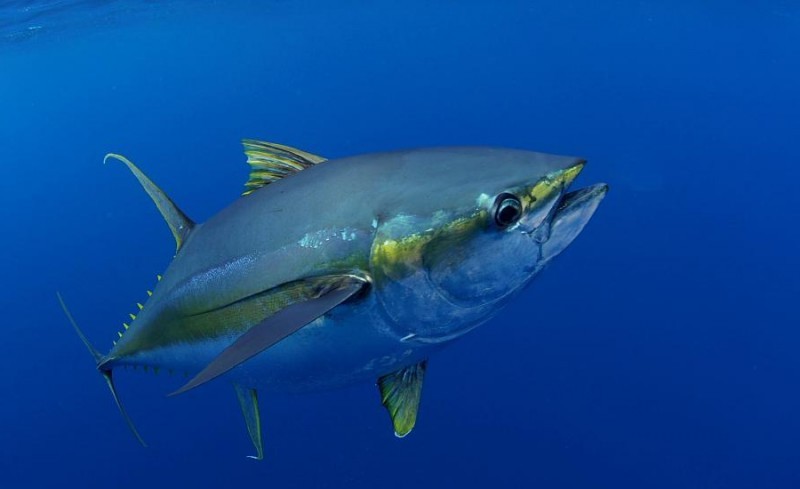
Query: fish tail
point(104, 369)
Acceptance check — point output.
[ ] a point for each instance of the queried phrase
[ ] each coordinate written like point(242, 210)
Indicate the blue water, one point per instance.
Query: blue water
point(659, 351)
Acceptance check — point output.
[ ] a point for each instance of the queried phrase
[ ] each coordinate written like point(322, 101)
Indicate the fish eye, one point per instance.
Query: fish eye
point(507, 210)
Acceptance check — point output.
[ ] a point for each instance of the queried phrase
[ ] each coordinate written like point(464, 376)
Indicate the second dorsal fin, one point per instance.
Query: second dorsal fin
point(178, 222)
point(270, 162)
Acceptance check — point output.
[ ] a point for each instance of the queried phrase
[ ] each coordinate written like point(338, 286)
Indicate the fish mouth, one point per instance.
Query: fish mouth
point(581, 197)
point(545, 199)
point(568, 218)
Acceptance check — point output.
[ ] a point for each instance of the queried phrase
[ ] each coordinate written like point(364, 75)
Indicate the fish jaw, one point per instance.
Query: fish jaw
point(574, 211)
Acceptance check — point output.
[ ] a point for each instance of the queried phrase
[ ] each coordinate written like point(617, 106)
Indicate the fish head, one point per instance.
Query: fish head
point(488, 226)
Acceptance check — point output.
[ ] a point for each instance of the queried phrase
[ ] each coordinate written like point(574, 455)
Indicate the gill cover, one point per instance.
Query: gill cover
point(488, 266)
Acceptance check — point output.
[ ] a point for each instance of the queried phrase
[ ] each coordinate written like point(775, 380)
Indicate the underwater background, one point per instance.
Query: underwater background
point(659, 351)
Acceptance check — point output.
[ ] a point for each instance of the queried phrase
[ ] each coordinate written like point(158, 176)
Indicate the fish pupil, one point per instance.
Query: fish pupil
point(508, 211)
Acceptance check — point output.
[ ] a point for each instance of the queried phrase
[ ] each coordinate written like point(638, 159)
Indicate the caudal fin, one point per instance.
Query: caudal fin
point(104, 371)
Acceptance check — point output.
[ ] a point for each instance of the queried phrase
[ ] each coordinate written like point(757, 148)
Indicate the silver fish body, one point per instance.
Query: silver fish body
point(437, 241)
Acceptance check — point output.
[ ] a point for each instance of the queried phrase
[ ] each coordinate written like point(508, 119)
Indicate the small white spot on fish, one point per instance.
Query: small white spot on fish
point(317, 323)
point(319, 238)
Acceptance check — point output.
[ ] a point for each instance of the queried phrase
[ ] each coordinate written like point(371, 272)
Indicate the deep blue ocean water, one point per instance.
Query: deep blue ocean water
point(659, 351)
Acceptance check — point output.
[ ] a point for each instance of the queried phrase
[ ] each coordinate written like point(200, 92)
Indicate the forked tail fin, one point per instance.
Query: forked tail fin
point(104, 371)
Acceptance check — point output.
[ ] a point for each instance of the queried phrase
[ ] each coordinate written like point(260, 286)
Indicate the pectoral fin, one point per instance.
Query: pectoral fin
point(400, 394)
point(248, 400)
point(277, 327)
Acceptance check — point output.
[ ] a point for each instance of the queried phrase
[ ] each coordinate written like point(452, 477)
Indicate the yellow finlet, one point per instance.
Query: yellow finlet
point(149, 293)
point(139, 305)
point(133, 317)
point(125, 325)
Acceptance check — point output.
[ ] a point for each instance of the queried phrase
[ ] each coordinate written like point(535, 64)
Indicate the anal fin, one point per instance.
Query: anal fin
point(400, 394)
point(248, 401)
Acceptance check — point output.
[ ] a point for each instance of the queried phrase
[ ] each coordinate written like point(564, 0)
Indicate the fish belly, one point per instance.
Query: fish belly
point(350, 345)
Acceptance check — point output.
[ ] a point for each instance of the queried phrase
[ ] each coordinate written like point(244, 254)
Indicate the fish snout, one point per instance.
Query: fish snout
point(573, 212)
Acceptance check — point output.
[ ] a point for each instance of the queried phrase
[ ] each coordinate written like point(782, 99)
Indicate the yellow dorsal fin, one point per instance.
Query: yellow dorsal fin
point(178, 223)
point(270, 162)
